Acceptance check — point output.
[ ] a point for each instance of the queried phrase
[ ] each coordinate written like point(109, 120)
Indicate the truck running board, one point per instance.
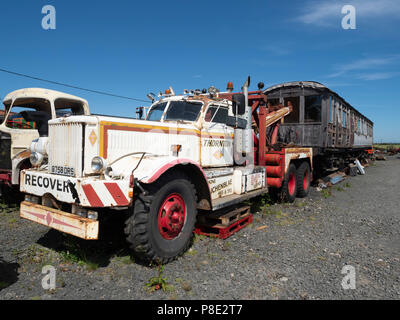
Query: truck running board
point(235, 199)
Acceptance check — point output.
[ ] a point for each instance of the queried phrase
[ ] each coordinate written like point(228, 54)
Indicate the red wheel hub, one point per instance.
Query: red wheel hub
point(171, 216)
point(292, 184)
point(305, 180)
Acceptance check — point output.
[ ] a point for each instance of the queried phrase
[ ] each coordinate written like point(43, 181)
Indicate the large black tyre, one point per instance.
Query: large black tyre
point(289, 188)
point(303, 176)
point(170, 200)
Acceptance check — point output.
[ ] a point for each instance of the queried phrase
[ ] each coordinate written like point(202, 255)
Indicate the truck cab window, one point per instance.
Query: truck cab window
point(66, 107)
point(312, 108)
point(219, 116)
point(16, 121)
point(183, 110)
point(156, 112)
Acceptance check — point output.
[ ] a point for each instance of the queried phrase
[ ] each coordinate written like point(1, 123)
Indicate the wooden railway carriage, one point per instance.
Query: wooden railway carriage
point(323, 120)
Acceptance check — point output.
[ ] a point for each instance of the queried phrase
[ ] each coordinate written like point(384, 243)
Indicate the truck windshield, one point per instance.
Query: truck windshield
point(183, 110)
point(156, 112)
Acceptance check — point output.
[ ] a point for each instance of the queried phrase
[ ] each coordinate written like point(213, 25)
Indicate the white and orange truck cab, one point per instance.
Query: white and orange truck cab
point(192, 151)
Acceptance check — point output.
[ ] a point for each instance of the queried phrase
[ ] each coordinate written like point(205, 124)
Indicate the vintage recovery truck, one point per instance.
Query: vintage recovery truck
point(197, 151)
point(26, 111)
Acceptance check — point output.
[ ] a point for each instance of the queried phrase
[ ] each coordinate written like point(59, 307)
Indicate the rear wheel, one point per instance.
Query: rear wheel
point(289, 188)
point(303, 177)
point(161, 226)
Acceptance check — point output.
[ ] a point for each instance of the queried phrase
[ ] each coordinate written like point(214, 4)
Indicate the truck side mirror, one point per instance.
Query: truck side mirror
point(239, 104)
point(235, 122)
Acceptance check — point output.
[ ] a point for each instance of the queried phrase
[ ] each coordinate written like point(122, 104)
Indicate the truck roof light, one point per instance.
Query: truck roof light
point(229, 87)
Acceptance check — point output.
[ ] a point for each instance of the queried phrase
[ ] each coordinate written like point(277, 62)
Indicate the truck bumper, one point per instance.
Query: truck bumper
point(65, 222)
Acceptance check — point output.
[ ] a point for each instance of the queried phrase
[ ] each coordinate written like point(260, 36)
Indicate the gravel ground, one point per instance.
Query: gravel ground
point(292, 251)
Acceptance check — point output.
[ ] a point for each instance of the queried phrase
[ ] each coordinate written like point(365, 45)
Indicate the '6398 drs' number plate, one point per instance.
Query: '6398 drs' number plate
point(65, 171)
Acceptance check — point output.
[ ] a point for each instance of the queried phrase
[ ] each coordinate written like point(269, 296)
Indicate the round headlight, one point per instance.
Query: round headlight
point(98, 164)
point(36, 159)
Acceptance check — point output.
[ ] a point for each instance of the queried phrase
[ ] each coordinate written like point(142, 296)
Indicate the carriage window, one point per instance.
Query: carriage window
point(312, 108)
point(294, 116)
point(344, 118)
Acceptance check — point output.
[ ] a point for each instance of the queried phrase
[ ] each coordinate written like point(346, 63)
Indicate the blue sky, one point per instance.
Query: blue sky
point(130, 48)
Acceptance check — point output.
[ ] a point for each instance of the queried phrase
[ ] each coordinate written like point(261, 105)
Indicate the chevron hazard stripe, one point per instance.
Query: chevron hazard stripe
point(105, 194)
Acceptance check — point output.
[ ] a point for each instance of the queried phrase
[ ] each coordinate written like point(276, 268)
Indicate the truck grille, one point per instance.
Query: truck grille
point(65, 149)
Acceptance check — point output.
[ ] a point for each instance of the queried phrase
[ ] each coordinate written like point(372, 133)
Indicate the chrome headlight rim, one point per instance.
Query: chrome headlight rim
point(36, 159)
point(98, 164)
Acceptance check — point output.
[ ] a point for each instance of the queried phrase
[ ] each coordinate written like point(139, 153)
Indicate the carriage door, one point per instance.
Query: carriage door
point(216, 138)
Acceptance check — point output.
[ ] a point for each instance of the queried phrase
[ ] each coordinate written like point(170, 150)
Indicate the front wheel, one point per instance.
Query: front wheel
point(161, 226)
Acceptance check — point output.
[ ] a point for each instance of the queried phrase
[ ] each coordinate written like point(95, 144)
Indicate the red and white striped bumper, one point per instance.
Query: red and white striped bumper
point(91, 191)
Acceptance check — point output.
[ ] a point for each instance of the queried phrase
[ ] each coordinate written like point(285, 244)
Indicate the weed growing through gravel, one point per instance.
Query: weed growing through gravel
point(7, 208)
point(326, 193)
point(260, 203)
point(159, 282)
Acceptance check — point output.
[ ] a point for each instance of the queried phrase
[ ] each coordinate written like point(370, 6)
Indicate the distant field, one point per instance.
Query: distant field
point(387, 146)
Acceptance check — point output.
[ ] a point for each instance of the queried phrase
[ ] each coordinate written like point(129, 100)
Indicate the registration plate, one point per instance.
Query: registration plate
point(65, 171)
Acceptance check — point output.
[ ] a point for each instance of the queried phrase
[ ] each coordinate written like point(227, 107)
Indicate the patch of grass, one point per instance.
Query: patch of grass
point(38, 255)
point(74, 253)
point(300, 204)
point(7, 208)
point(11, 222)
point(125, 260)
point(286, 222)
point(326, 193)
point(3, 284)
point(340, 189)
point(347, 185)
point(272, 211)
